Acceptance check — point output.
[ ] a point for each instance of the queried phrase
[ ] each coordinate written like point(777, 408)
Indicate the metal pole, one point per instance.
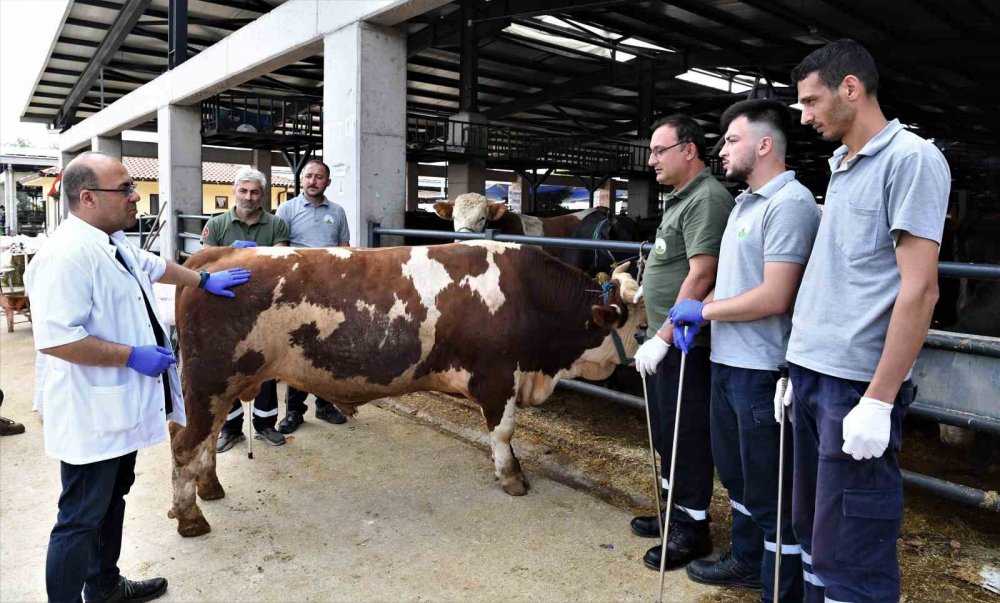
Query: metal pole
point(783, 382)
point(671, 486)
point(249, 414)
point(652, 458)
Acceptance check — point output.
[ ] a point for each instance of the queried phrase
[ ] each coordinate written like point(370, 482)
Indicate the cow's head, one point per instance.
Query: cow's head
point(470, 212)
point(618, 314)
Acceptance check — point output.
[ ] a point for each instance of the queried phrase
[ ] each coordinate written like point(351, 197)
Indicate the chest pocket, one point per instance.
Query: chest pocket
point(672, 244)
point(859, 228)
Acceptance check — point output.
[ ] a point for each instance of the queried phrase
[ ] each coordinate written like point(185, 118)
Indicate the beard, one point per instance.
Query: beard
point(841, 114)
point(740, 170)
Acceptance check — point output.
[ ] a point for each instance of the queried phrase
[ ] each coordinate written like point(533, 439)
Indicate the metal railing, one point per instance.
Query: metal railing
point(954, 342)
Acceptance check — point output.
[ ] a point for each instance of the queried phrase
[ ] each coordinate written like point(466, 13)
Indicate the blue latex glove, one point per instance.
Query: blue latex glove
point(243, 244)
point(219, 283)
point(684, 336)
point(150, 360)
point(687, 312)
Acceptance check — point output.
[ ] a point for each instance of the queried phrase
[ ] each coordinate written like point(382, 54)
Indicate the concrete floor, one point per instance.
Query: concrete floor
point(379, 509)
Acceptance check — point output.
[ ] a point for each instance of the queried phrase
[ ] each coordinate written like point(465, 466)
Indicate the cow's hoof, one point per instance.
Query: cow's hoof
point(211, 491)
point(193, 527)
point(514, 486)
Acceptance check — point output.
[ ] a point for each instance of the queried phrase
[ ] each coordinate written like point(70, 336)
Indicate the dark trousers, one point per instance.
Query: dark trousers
point(296, 400)
point(265, 410)
point(846, 513)
point(745, 445)
point(693, 477)
point(87, 538)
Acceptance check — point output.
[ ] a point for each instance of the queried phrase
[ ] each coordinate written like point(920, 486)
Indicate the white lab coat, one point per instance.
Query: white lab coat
point(77, 289)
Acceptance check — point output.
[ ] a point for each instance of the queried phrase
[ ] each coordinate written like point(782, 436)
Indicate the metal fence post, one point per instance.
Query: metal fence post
point(491, 234)
point(374, 238)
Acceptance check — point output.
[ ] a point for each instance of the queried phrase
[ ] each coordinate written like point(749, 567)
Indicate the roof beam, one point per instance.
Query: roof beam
point(119, 30)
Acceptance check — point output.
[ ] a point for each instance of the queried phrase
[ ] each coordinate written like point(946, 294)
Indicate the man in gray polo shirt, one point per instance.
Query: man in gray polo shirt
point(764, 250)
point(860, 319)
point(313, 221)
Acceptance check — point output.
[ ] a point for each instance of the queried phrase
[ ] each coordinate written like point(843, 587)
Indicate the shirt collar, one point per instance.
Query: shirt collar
point(770, 188)
point(306, 202)
point(94, 235)
point(871, 148)
point(690, 186)
point(265, 216)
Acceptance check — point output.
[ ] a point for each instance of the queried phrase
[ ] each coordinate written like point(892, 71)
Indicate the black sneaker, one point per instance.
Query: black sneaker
point(330, 414)
point(270, 436)
point(725, 571)
point(137, 592)
point(228, 440)
point(291, 422)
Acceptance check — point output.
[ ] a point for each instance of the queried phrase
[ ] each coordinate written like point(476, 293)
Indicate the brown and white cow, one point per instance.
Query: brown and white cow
point(497, 323)
point(471, 212)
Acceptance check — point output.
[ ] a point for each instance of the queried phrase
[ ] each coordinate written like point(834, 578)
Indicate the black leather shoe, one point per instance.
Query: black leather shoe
point(646, 526)
point(137, 592)
point(291, 422)
point(725, 571)
point(330, 414)
point(270, 436)
point(686, 541)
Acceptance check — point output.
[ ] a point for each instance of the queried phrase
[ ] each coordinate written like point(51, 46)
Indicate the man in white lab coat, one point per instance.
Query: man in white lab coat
point(110, 384)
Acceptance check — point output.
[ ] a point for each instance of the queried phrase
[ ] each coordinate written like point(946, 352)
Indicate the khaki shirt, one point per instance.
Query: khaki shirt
point(224, 229)
point(694, 219)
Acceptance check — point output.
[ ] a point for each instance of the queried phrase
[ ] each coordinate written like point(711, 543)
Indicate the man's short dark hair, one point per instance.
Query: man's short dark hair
point(687, 130)
point(317, 162)
point(837, 60)
point(77, 176)
point(775, 114)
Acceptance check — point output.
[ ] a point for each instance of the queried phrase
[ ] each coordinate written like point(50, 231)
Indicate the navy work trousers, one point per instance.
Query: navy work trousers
point(693, 490)
point(745, 445)
point(265, 410)
point(296, 400)
point(87, 538)
point(846, 513)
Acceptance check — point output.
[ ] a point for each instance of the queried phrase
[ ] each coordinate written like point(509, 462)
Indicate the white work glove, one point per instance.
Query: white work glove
point(866, 429)
point(638, 295)
point(649, 355)
point(782, 400)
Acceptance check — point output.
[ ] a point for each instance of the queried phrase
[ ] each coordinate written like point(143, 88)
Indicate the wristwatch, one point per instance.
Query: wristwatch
point(204, 278)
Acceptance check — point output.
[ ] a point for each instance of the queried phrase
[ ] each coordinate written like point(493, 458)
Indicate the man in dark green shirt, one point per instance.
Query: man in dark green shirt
point(682, 265)
point(248, 225)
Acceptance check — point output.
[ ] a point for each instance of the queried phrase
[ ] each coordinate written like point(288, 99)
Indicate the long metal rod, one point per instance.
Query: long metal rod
point(956, 418)
point(652, 458)
point(990, 272)
point(671, 485)
point(957, 492)
point(631, 247)
point(781, 482)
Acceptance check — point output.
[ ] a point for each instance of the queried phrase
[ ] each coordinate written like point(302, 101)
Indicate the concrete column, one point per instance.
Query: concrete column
point(179, 129)
point(412, 186)
point(364, 125)
point(63, 209)
point(467, 133)
point(10, 198)
point(642, 191)
point(109, 145)
point(262, 162)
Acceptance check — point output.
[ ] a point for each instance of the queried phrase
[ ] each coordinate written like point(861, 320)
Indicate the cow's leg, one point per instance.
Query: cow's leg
point(193, 449)
point(500, 421)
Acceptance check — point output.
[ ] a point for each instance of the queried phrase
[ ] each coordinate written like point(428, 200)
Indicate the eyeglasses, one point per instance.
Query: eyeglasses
point(127, 191)
point(659, 151)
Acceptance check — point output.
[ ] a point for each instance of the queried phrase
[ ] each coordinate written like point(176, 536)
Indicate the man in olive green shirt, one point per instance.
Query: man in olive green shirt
point(248, 225)
point(682, 265)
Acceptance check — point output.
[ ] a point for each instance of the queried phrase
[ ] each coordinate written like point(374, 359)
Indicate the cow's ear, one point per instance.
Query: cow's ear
point(443, 209)
point(495, 210)
point(608, 317)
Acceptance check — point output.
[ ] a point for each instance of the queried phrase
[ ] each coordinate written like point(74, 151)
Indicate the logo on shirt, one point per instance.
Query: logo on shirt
point(204, 233)
point(661, 247)
point(743, 232)
point(328, 220)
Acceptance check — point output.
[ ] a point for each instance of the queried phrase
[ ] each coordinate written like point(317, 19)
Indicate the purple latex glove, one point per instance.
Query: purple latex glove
point(687, 312)
point(243, 244)
point(684, 336)
point(150, 360)
point(218, 283)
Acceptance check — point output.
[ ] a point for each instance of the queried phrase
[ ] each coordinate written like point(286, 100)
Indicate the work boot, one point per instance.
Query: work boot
point(646, 526)
point(10, 427)
point(687, 540)
point(291, 422)
point(725, 571)
point(270, 436)
point(228, 440)
point(330, 414)
point(137, 592)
